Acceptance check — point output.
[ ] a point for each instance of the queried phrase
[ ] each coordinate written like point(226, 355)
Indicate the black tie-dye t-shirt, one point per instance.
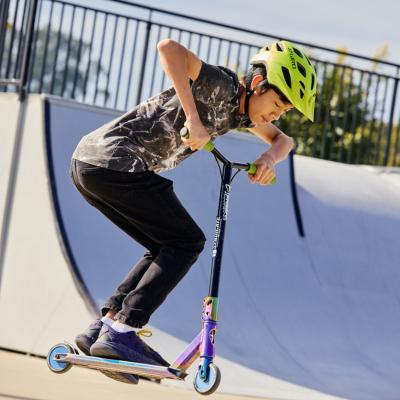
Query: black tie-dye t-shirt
point(147, 137)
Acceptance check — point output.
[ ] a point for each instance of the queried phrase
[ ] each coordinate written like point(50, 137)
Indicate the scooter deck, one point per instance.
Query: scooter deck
point(105, 364)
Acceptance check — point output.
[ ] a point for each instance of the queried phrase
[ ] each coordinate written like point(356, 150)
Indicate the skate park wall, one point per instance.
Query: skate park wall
point(314, 317)
point(39, 294)
point(9, 108)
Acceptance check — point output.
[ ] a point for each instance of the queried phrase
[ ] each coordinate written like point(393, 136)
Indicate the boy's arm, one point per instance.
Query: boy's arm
point(281, 145)
point(180, 65)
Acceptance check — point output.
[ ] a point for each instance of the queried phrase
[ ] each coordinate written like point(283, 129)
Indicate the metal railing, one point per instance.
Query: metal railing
point(106, 55)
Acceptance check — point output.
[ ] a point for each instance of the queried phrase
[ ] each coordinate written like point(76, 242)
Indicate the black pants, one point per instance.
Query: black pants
point(145, 207)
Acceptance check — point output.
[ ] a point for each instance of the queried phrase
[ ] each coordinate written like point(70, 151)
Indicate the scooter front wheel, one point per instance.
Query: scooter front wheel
point(209, 385)
point(56, 365)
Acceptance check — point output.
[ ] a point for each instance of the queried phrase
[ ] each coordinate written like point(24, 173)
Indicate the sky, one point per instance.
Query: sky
point(361, 25)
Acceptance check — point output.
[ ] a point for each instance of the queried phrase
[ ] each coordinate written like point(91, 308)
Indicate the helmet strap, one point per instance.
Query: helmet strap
point(249, 92)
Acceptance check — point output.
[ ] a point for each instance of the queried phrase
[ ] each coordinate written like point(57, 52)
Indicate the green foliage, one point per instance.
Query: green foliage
point(70, 58)
point(345, 128)
point(63, 62)
point(340, 110)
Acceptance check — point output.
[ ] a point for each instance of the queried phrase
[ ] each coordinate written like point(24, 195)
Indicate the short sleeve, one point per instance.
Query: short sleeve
point(215, 84)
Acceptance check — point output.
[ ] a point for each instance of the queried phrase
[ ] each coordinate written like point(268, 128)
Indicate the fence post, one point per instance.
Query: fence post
point(26, 58)
point(390, 125)
point(4, 7)
point(144, 60)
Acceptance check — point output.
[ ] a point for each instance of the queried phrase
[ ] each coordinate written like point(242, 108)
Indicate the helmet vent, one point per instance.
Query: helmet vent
point(298, 52)
point(301, 94)
point(301, 69)
point(307, 59)
point(312, 81)
point(302, 84)
point(286, 75)
point(279, 47)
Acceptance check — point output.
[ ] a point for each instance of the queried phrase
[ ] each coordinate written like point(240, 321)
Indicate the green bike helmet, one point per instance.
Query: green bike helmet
point(289, 70)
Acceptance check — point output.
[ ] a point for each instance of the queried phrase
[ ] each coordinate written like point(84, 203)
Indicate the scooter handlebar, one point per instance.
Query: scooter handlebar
point(210, 146)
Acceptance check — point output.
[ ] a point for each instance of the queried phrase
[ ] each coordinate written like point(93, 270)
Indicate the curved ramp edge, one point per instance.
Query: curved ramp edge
point(38, 296)
point(9, 106)
point(300, 318)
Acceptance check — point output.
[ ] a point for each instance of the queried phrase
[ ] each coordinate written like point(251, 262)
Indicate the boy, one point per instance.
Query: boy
point(115, 169)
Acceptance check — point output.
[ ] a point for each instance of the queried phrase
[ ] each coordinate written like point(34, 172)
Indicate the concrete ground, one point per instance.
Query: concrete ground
point(28, 378)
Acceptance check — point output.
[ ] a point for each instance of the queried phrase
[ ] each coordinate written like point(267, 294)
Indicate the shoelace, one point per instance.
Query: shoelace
point(148, 333)
point(145, 333)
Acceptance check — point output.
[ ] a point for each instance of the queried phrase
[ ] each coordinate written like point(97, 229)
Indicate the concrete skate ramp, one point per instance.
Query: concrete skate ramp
point(321, 312)
point(300, 318)
point(8, 106)
point(41, 296)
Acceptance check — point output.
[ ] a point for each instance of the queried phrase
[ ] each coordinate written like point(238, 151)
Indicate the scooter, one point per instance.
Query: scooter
point(63, 356)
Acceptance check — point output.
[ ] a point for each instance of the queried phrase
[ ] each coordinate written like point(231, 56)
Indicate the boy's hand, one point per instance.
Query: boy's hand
point(198, 135)
point(265, 170)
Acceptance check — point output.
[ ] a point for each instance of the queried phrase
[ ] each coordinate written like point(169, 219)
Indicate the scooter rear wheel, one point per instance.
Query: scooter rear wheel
point(57, 366)
point(206, 387)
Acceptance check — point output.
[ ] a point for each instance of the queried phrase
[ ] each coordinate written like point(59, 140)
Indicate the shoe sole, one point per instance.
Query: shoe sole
point(117, 376)
point(106, 351)
point(121, 377)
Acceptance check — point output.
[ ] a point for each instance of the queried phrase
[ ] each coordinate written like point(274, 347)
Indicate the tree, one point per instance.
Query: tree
point(61, 66)
point(341, 112)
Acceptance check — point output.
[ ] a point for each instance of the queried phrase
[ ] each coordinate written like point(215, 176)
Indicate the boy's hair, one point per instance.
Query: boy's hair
point(265, 86)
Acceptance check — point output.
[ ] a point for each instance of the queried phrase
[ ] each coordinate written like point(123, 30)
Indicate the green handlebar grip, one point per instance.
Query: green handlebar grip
point(209, 146)
point(253, 169)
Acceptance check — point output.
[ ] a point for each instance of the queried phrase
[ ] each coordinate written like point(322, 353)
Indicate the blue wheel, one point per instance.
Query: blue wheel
point(55, 365)
point(209, 385)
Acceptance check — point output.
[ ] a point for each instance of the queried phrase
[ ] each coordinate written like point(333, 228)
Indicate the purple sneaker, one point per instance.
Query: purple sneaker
point(125, 346)
point(86, 339)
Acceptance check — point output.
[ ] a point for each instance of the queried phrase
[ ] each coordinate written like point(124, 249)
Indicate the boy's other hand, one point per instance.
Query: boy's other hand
point(265, 170)
point(198, 135)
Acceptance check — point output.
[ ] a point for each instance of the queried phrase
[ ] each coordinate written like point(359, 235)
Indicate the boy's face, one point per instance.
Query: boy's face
point(266, 107)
